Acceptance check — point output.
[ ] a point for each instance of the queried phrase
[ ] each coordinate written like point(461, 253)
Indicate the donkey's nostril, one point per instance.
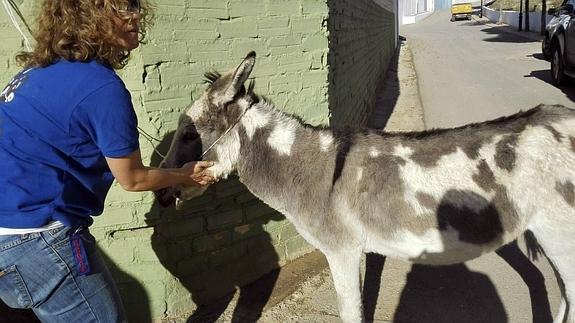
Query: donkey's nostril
point(164, 197)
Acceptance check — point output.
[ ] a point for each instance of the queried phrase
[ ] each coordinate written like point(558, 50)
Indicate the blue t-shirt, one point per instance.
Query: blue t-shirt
point(56, 125)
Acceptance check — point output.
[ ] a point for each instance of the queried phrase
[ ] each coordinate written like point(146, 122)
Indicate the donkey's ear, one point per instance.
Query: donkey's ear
point(240, 75)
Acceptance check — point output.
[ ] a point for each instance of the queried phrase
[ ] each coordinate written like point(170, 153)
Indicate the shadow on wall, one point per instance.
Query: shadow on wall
point(387, 93)
point(361, 45)
point(134, 298)
point(213, 262)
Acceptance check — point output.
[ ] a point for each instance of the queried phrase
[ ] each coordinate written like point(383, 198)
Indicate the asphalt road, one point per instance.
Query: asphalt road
point(470, 72)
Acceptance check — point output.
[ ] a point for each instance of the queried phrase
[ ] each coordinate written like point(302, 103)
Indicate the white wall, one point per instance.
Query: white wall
point(411, 11)
point(512, 18)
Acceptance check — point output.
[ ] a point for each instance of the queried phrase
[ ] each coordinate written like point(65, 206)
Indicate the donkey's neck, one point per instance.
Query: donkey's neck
point(280, 159)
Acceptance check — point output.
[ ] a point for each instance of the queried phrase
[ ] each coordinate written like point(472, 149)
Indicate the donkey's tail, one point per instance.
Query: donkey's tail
point(534, 249)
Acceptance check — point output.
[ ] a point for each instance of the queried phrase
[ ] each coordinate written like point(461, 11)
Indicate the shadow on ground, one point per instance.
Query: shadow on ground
point(374, 264)
point(468, 23)
point(10, 315)
point(214, 262)
point(545, 75)
point(538, 56)
point(449, 294)
point(501, 34)
point(540, 308)
point(454, 293)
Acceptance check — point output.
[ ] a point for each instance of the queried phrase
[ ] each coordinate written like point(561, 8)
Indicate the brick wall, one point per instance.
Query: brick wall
point(167, 262)
point(362, 39)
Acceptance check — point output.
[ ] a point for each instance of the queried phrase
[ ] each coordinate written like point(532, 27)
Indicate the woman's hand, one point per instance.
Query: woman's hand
point(198, 173)
point(133, 176)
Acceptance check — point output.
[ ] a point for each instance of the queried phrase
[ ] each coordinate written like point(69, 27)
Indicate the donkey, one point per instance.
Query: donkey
point(437, 197)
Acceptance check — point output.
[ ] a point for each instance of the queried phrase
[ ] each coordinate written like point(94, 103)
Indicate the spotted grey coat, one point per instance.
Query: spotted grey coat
point(435, 197)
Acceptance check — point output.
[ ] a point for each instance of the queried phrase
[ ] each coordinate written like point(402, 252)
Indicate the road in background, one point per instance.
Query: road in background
point(469, 72)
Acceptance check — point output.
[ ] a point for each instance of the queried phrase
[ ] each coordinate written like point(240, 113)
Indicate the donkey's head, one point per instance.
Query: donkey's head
point(204, 129)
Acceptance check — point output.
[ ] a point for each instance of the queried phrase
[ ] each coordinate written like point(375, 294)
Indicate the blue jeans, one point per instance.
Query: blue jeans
point(38, 271)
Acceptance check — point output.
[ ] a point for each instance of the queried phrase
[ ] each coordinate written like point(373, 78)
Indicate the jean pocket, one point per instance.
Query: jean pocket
point(13, 291)
point(58, 234)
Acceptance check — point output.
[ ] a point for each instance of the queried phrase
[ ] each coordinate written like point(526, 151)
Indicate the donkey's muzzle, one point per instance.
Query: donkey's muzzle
point(166, 196)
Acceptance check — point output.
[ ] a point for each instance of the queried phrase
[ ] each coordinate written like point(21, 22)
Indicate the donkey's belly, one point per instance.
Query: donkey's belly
point(434, 247)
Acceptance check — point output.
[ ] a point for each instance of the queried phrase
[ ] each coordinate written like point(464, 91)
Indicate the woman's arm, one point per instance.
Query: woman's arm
point(133, 176)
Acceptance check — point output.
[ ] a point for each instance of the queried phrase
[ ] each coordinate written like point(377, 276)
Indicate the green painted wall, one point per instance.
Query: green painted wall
point(166, 262)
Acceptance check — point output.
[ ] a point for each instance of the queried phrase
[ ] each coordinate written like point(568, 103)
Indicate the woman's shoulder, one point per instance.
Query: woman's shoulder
point(88, 75)
point(76, 71)
point(73, 80)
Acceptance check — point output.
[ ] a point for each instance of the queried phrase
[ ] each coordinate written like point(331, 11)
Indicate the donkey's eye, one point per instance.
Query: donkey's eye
point(189, 136)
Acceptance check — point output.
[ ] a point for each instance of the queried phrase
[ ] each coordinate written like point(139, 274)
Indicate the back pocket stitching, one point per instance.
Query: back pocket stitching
point(23, 238)
point(19, 281)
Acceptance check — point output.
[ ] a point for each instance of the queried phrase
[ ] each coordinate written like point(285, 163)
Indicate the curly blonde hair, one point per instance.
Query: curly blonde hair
point(82, 30)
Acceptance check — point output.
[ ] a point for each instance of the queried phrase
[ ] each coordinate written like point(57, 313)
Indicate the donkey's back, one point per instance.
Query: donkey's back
point(446, 196)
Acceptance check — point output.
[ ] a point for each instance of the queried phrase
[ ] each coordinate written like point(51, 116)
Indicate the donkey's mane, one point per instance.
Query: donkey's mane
point(521, 115)
point(213, 76)
point(350, 130)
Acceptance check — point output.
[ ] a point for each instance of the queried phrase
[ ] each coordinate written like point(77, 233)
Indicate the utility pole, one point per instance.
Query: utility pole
point(543, 16)
point(520, 15)
point(526, 15)
point(481, 9)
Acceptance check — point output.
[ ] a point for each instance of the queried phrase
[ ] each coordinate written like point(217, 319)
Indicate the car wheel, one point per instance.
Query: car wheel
point(545, 50)
point(557, 67)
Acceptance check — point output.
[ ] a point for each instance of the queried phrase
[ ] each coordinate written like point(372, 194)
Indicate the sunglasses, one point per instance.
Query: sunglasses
point(132, 7)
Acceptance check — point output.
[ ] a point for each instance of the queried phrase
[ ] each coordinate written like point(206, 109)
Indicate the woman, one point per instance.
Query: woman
point(67, 129)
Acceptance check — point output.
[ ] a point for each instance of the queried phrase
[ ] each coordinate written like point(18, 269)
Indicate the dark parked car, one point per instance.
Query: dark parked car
point(559, 42)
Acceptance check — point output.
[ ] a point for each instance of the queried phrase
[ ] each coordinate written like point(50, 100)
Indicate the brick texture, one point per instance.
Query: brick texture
point(361, 43)
point(309, 52)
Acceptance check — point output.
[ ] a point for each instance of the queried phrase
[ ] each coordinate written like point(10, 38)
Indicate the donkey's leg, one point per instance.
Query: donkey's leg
point(558, 241)
point(344, 268)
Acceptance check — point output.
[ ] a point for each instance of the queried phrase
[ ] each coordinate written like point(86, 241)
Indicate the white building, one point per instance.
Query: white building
point(411, 11)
